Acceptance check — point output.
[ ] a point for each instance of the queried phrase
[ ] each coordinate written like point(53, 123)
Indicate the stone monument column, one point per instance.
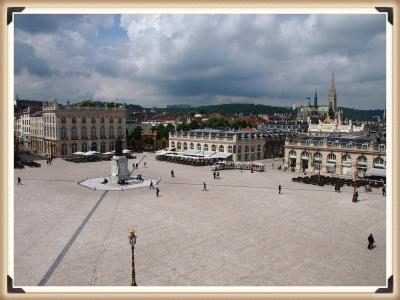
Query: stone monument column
point(119, 163)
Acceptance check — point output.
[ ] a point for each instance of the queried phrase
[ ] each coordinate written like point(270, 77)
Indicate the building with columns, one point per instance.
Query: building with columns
point(64, 129)
point(243, 145)
point(339, 155)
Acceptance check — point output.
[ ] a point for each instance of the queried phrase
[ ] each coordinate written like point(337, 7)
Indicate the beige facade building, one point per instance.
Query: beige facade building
point(65, 129)
point(338, 155)
point(243, 145)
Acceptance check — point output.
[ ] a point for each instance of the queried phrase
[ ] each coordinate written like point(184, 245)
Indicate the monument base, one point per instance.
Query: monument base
point(119, 168)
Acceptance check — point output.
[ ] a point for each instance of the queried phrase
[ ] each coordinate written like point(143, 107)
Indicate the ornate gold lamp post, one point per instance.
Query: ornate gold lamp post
point(132, 241)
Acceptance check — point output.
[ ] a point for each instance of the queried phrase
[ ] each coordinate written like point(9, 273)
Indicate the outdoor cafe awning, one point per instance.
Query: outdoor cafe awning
point(78, 153)
point(376, 172)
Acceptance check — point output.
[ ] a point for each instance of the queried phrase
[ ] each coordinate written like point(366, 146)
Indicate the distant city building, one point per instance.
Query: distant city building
point(336, 127)
point(65, 129)
point(336, 154)
point(317, 112)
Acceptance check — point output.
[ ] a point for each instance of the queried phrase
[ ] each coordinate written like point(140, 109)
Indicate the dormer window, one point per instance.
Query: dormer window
point(365, 146)
point(381, 147)
point(350, 145)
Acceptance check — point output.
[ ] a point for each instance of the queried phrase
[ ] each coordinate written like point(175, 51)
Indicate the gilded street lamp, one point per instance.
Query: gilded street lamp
point(132, 241)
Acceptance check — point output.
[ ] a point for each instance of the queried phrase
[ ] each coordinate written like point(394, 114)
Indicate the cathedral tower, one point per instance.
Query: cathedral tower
point(315, 99)
point(332, 95)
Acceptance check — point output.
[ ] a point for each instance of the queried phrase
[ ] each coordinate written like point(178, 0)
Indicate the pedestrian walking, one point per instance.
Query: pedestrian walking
point(384, 190)
point(371, 242)
point(19, 180)
point(47, 162)
point(137, 165)
point(172, 173)
point(204, 187)
point(279, 188)
point(217, 175)
point(356, 196)
point(214, 174)
point(151, 185)
point(157, 191)
point(133, 166)
point(241, 169)
point(145, 164)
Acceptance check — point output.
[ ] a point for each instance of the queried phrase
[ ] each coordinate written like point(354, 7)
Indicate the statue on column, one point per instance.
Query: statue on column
point(118, 147)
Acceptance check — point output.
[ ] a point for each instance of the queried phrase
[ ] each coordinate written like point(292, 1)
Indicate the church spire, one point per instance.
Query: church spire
point(332, 94)
point(315, 99)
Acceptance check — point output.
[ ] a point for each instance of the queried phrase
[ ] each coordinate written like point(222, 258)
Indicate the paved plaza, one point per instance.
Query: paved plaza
point(240, 232)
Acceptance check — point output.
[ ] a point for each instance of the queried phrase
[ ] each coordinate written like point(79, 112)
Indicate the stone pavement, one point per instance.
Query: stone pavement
point(238, 233)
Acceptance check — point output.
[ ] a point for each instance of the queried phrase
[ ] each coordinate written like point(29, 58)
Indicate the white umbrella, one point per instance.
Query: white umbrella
point(126, 151)
point(78, 153)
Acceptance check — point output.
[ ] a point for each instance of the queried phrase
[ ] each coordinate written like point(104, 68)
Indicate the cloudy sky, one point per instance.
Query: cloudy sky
point(155, 60)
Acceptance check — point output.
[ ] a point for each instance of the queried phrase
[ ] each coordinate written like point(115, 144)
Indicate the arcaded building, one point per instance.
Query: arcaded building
point(339, 155)
point(65, 129)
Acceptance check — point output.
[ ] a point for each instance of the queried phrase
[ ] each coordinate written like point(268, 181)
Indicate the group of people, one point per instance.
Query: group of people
point(48, 161)
point(216, 175)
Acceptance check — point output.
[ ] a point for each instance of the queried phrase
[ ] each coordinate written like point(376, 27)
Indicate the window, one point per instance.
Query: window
point(102, 120)
point(198, 147)
point(213, 148)
point(221, 148)
point(362, 160)
point(93, 133)
point(111, 120)
point(93, 147)
point(239, 149)
point(336, 144)
point(192, 146)
point(317, 156)
point(83, 120)
point(305, 155)
point(350, 145)
point(365, 146)
point(119, 120)
point(346, 158)
point(93, 120)
point(246, 149)
point(205, 147)
point(112, 146)
point(73, 120)
point(379, 162)
point(74, 147)
point(83, 133)
point(331, 157)
point(184, 146)
point(102, 147)
point(62, 120)
point(119, 132)
point(178, 145)
point(230, 149)
point(172, 144)
point(259, 148)
point(102, 133)
point(73, 133)
point(381, 147)
point(64, 149)
point(111, 133)
point(63, 133)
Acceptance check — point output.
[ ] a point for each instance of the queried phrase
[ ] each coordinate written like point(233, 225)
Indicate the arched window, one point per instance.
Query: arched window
point(93, 133)
point(239, 149)
point(111, 133)
point(362, 160)
point(102, 147)
point(205, 147)
point(102, 120)
point(192, 146)
point(292, 154)
point(259, 148)
point(93, 147)
point(84, 120)
point(62, 120)
point(221, 148)
point(63, 133)
point(102, 133)
point(112, 146)
point(119, 120)
point(172, 144)
point(93, 120)
point(331, 157)
point(74, 147)
point(305, 155)
point(111, 120)
point(213, 148)
point(84, 147)
point(73, 120)
point(74, 134)
point(317, 156)
point(246, 149)
point(119, 132)
point(346, 158)
point(230, 149)
point(179, 145)
point(184, 146)
point(198, 147)
point(381, 147)
point(83, 133)
point(64, 149)
point(379, 162)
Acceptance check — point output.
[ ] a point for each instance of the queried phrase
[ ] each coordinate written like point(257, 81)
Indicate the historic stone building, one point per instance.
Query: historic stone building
point(65, 129)
point(317, 112)
point(339, 155)
point(243, 145)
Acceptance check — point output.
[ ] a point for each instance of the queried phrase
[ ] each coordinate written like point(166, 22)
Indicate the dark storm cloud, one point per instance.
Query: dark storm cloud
point(25, 58)
point(204, 59)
